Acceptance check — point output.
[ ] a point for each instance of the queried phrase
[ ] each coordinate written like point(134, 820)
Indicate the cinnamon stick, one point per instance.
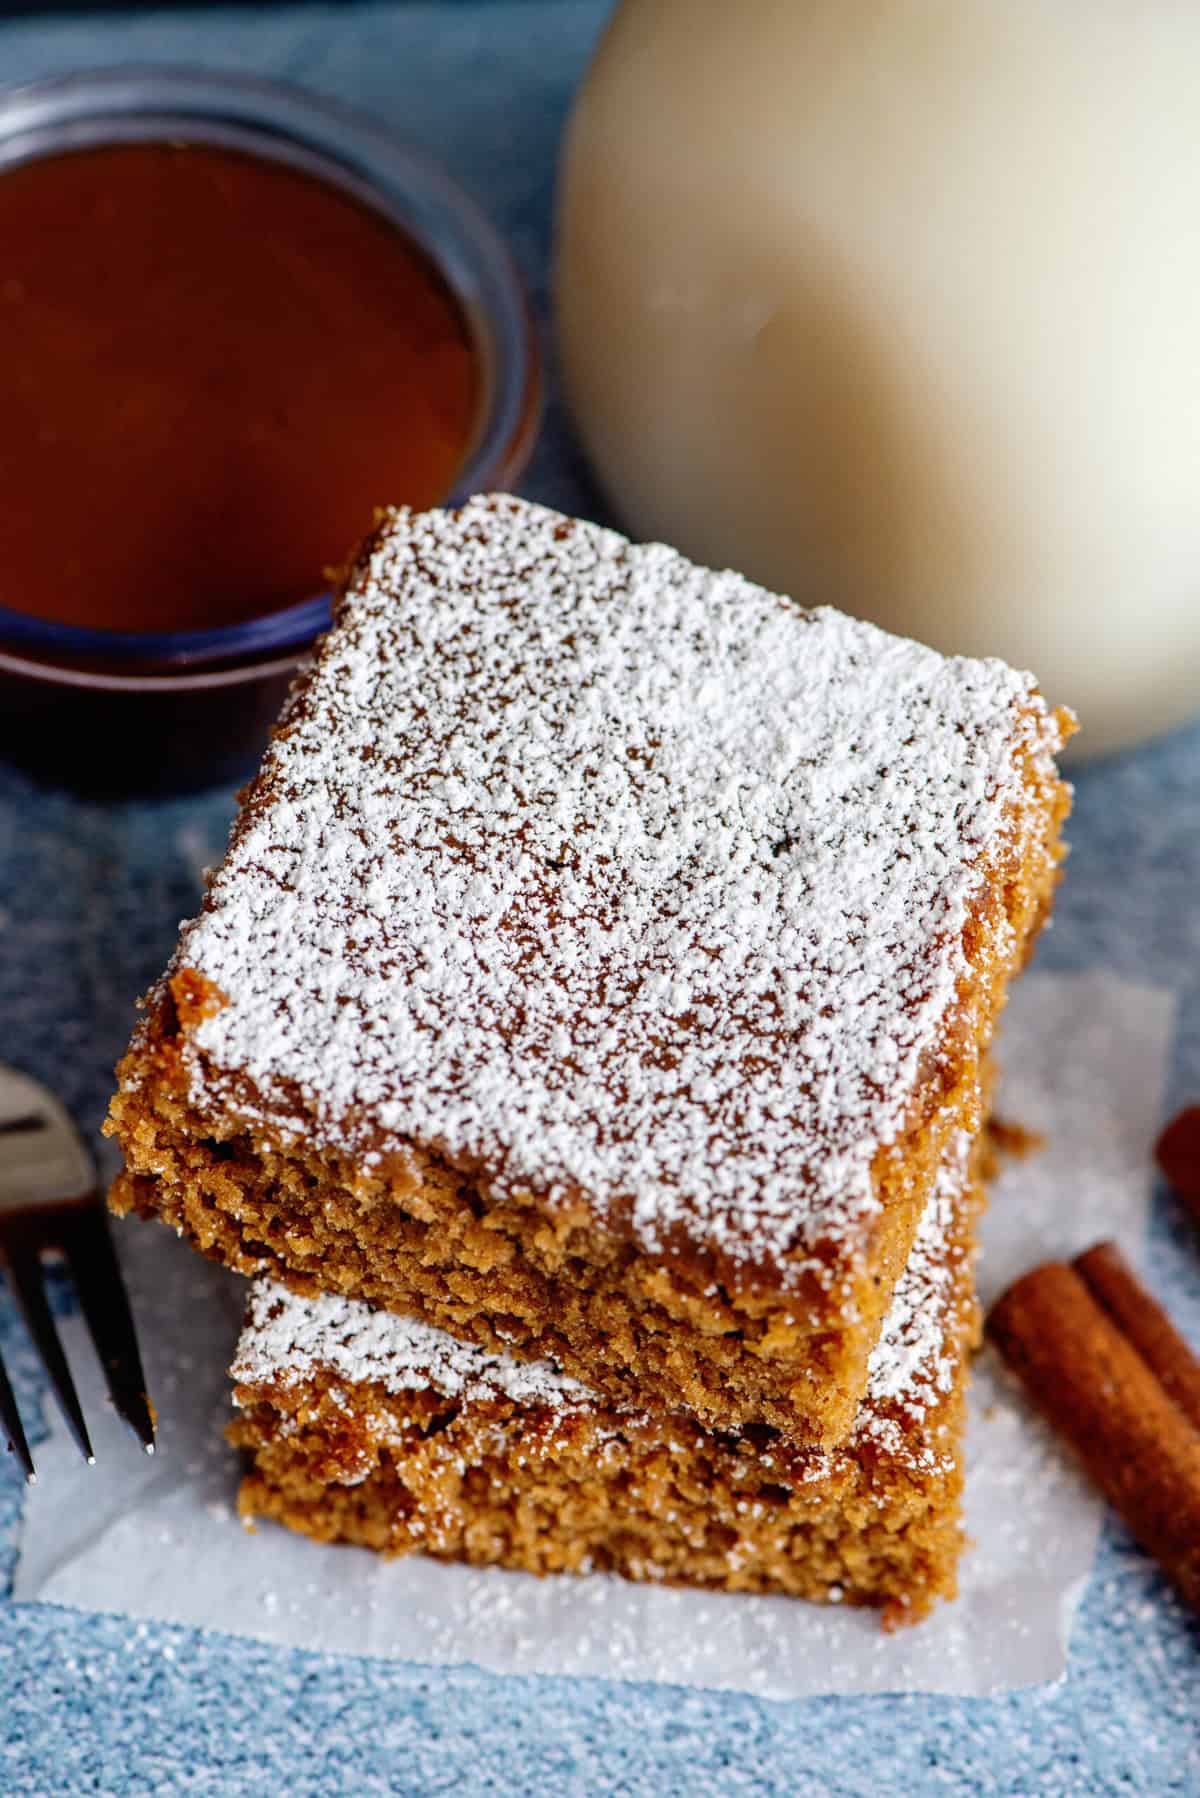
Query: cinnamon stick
point(1143, 1322)
point(1097, 1391)
point(1177, 1152)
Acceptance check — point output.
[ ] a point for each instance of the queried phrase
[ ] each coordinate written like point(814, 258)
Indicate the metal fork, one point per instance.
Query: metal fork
point(50, 1204)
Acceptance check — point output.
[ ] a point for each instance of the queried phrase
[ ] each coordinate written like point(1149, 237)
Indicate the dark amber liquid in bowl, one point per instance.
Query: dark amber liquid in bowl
point(213, 368)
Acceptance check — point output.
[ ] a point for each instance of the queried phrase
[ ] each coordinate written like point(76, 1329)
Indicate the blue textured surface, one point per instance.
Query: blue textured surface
point(89, 902)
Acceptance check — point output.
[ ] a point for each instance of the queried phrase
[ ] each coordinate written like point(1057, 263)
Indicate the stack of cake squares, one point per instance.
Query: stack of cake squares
point(583, 1049)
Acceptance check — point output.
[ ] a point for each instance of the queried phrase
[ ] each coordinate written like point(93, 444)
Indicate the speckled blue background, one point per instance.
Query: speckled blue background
point(89, 901)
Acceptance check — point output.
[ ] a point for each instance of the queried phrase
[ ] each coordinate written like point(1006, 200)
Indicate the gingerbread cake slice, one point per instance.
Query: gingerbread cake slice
point(368, 1428)
point(601, 962)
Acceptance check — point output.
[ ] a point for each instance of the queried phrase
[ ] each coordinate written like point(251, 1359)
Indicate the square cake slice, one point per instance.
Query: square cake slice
point(372, 1429)
point(600, 965)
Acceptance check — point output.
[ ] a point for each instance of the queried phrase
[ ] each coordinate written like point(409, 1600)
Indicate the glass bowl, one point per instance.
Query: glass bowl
point(134, 712)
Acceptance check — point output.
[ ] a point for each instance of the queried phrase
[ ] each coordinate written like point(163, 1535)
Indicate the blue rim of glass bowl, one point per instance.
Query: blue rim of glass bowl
point(155, 104)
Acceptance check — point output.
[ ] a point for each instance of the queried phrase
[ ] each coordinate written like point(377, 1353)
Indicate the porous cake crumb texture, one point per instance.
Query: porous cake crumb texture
point(373, 1429)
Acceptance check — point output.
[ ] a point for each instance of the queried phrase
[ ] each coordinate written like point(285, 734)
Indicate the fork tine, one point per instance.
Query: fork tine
point(25, 1277)
point(10, 1417)
point(84, 1237)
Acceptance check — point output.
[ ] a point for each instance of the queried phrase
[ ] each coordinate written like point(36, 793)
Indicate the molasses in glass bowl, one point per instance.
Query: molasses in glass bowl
point(234, 320)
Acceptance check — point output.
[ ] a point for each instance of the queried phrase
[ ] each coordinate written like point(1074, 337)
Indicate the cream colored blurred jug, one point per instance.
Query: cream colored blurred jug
point(896, 304)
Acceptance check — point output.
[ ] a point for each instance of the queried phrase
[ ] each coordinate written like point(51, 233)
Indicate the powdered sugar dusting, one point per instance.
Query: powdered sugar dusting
point(600, 874)
point(909, 1362)
point(289, 1340)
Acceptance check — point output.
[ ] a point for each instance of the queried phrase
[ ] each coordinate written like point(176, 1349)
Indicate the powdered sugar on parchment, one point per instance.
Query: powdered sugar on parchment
point(600, 874)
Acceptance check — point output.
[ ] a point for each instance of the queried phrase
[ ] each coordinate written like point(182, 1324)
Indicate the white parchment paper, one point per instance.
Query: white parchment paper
point(1084, 1061)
